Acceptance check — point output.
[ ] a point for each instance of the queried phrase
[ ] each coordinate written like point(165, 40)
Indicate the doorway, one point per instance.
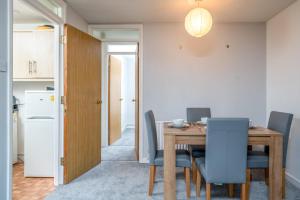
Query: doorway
point(122, 140)
point(35, 102)
point(120, 37)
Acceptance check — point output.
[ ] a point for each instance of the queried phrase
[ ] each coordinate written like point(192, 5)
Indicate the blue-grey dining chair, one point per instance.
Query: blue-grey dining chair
point(197, 151)
point(280, 122)
point(156, 157)
point(195, 114)
point(225, 158)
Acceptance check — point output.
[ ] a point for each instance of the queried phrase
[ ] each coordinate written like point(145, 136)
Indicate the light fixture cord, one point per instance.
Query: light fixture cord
point(198, 2)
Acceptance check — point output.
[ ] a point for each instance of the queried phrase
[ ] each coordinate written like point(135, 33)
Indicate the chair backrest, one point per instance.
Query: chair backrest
point(152, 135)
point(281, 122)
point(226, 150)
point(195, 114)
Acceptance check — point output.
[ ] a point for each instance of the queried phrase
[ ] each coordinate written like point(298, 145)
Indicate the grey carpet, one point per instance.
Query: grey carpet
point(129, 181)
point(122, 149)
point(115, 179)
point(118, 153)
point(127, 138)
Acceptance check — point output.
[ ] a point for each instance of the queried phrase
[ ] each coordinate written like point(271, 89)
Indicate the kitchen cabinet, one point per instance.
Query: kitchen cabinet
point(22, 54)
point(33, 55)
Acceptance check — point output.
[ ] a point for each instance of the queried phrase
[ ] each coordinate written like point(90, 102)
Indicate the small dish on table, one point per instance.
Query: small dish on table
point(178, 123)
point(172, 125)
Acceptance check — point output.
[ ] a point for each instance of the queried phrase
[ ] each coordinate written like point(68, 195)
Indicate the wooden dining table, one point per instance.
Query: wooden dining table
point(196, 135)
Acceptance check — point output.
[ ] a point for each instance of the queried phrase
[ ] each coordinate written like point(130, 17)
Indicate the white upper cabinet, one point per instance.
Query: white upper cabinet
point(43, 54)
point(33, 55)
point(22, 55)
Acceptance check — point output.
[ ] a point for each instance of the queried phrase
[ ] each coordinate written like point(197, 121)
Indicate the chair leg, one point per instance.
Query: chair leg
point(194, 170)
point(187, 181)
point(243, 192)
point(208, 188)
point(267, 176)
point(198, 183)
point(231, 190)
point(283, 183)
point(248, 183)
point(151, 179)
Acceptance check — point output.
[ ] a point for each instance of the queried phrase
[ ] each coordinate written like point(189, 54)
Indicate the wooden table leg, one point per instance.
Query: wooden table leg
point(275, 168)
point(169, 168)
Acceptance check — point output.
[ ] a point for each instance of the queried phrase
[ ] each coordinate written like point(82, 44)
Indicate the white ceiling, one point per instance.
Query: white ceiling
point(23, 13)
point(139, 11)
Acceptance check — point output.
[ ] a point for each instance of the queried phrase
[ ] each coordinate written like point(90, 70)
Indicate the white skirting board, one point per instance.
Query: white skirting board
point(130, 126)
point(293, 180)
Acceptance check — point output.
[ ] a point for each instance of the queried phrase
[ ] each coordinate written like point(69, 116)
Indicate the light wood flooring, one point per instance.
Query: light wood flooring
point(29, 188)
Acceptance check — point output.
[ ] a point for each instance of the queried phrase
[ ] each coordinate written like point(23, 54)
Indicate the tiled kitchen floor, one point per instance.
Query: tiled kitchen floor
point(29, 188)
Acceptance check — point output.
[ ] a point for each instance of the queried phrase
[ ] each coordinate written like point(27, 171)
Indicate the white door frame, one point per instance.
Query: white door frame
point(104, 123)
point(48, 14)
point(6, 99)
point(58, 82)
point(6, 79)
point(105, 89)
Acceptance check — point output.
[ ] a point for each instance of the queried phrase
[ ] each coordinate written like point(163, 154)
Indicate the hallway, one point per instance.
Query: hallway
point(122, 149)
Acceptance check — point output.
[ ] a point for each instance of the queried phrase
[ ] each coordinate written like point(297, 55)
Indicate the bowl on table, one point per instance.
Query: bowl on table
point(178, 123)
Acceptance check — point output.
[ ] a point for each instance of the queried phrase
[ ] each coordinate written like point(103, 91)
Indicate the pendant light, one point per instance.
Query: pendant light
point(198, 21)
point(44, 27)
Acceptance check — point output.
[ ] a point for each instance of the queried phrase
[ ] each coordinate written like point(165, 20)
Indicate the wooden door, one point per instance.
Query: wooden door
point(137, 127)
point(22, 54)
point(44, 54)
point(114, 107)
point(82, 88)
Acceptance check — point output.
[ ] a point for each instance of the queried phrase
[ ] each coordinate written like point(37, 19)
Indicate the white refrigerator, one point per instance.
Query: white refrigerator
point(39, 134)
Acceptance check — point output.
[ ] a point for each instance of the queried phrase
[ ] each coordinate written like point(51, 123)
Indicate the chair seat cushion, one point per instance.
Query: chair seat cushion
point(257, 160)
point(182, 158)
point(200, 163)
point(197, 151)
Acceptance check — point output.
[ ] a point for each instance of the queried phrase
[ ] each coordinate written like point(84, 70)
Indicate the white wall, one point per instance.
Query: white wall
point(283, 77)
point(74, 19)
point(123, 87)
point(127, 90)
point(19, 92)
point(180, 71)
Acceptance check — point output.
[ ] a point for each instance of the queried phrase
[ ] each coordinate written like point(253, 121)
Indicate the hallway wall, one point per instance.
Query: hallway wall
point(283, 83)
point(127, 90)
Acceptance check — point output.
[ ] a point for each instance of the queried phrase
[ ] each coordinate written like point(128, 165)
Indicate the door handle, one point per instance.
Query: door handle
point(133, 100)
point(121, 99)
point(98, 102)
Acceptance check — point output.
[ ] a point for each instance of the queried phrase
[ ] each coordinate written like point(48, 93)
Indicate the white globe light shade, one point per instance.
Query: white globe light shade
point(198, 22)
